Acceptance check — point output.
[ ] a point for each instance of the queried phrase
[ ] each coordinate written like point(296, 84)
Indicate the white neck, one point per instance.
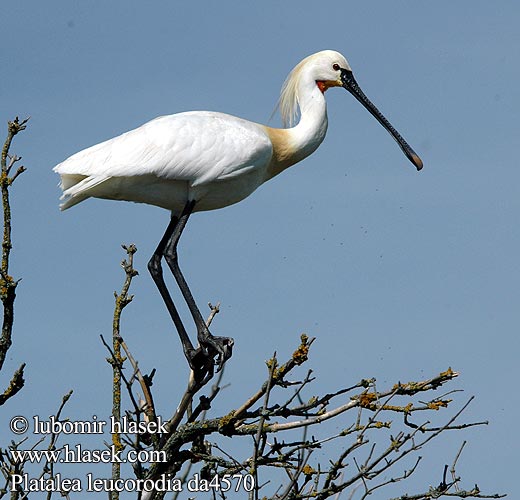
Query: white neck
point(312, 127)
point(292, 145)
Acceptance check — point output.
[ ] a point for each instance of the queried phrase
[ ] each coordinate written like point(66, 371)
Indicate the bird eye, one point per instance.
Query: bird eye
point(335, 67)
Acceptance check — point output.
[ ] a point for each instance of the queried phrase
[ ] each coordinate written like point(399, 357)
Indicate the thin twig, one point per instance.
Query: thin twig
point(121, 301)
point(7, 283)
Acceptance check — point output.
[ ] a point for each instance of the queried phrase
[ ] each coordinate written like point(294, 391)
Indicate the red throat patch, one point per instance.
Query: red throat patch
point(322, 86)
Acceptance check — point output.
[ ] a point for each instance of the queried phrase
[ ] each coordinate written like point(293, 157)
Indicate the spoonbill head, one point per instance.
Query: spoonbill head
point(204, 160)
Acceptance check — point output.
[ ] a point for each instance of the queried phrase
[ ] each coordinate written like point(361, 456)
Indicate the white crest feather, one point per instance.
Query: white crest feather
point(289, 103)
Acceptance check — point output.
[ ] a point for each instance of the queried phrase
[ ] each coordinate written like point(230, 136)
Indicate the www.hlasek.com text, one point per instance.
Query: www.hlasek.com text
point(79, 455)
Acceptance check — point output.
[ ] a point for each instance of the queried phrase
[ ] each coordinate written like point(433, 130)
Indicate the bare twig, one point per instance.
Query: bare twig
point(7, 283)
point(117, 360)
point(259, 439)
point(48, 467)
point(299, 356)
point(454, 464)
point(15, 385)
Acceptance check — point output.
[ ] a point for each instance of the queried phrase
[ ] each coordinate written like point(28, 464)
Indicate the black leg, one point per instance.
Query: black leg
point(215, 346)
point(197, 359)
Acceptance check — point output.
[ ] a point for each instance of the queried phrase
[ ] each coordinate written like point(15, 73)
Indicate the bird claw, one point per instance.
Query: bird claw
point(224, 347)
point(213, 351)
point(220, 348)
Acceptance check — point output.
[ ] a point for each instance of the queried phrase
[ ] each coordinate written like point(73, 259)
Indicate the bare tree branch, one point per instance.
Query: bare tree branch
point(117, 360)
point(7, 283)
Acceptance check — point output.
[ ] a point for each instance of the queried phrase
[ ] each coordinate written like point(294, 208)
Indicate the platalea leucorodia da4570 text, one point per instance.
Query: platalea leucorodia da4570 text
point(204, 160)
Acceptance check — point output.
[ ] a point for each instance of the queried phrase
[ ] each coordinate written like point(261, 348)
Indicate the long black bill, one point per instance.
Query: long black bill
point(351, 85)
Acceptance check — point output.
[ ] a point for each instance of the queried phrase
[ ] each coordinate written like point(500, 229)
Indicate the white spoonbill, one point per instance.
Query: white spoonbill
point(203, 160)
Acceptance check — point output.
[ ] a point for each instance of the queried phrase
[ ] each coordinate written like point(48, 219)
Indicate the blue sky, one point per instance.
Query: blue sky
point(398, 274)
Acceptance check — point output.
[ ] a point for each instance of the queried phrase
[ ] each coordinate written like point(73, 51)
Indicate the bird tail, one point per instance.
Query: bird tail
point(77, 188)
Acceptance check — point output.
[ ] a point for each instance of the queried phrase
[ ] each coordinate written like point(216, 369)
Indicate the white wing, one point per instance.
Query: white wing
point(198, 147)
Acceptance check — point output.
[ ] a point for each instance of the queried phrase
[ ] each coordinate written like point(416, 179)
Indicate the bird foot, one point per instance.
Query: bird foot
point(212, 351)
point(220, 348)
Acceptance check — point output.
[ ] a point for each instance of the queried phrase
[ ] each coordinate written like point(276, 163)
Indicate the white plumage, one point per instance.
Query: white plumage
point(165, 162)
point(211, 158)
point(204, 160)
